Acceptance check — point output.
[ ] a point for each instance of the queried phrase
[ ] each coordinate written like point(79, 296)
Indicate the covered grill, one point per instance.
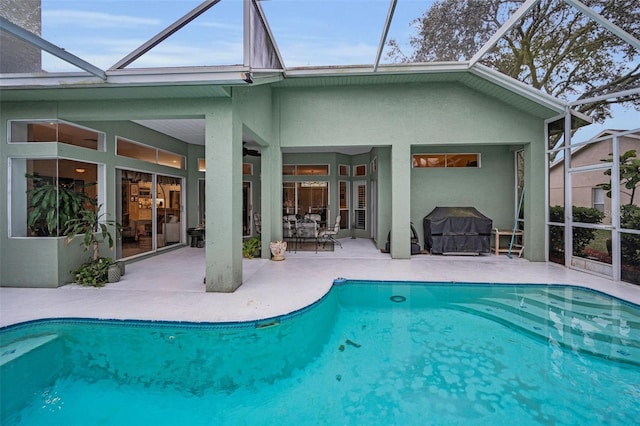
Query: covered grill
point(457, 230)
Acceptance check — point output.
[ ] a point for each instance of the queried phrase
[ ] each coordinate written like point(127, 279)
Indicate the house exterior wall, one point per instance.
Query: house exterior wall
point(46, 261)
point(424, 118)
point(393, 120)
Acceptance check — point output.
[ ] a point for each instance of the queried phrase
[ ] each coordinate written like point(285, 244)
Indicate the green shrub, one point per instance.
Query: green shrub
point(94, 272)
point(581, 236)
point(630, 247)
point(252, 247)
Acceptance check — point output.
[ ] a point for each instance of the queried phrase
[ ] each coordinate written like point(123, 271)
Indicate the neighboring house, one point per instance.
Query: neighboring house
point(586, 190)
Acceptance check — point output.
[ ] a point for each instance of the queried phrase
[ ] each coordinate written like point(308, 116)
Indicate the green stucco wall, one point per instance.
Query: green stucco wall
point(391, 121)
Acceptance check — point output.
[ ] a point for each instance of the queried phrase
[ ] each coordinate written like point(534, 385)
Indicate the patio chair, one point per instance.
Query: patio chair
point(329, 234)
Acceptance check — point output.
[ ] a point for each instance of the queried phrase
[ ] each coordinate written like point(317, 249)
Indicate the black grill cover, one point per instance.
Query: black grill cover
point(457, 230)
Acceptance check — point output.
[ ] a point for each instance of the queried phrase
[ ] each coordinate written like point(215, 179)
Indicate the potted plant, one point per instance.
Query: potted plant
point(96, 271)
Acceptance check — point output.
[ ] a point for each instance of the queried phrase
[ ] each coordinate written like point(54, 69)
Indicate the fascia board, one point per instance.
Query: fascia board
point(434, 67)
point(518, 87)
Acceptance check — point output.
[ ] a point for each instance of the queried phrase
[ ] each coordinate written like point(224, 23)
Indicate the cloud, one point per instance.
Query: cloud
point(93, 20)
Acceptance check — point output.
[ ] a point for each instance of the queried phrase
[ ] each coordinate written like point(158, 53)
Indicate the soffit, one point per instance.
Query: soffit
point(528, 104)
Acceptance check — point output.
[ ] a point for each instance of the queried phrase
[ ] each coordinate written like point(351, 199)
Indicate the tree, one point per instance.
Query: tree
point(553, 48)
point(629, 174)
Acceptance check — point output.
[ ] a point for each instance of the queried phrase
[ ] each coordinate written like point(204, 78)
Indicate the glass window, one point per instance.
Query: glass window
point(598, 199)
point(344, 204)
point(247, 169)
point(360, 170)
point(445, 160)
point(343, 170)
point(202, 165)
point(360, 205)
point(169, 159)
point(305, 170)
point(47, 193)
point(582, 192)
point(138, 151)
point(302, 198)
point(32, 131)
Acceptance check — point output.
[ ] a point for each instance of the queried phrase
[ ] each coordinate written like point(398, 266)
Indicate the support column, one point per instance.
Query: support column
point(401, 201)
point(271, 197)
point(223, 154)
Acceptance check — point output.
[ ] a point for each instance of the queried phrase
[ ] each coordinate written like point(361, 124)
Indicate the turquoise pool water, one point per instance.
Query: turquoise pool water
point(372, 353)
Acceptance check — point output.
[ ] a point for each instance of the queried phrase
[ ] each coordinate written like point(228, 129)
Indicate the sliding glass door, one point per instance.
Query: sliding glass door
point(149, 208)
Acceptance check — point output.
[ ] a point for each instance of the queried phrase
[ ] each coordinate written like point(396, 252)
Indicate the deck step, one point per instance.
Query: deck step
point(16, 349)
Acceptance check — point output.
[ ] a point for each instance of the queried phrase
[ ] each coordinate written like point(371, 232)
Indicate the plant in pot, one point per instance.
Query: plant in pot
point(97, 270)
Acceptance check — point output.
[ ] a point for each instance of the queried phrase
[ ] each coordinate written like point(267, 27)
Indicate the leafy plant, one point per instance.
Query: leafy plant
point(94, 272)
point(581, 236)
point(251, 248)
point(630, 243)
point(95, 229)
point(52, 206)
point(629, 174)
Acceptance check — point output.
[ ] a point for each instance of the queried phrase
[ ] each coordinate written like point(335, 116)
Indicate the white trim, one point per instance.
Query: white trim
point(518, 87)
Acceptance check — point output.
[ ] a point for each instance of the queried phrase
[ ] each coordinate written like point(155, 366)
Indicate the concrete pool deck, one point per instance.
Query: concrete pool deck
point(169, 286)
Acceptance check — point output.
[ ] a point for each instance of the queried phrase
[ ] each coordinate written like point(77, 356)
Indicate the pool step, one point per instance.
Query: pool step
point(587, 328)
point(16, 349)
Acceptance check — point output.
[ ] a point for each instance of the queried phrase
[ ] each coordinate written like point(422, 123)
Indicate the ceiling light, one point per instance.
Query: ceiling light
point(81, 170)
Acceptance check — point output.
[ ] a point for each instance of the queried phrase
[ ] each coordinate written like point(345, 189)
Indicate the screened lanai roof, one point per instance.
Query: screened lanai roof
point(228, 42)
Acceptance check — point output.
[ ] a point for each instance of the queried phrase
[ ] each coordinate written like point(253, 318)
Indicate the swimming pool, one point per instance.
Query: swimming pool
point(367, 353)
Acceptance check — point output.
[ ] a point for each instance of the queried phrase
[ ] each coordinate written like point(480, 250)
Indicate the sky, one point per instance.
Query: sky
point(307, 32)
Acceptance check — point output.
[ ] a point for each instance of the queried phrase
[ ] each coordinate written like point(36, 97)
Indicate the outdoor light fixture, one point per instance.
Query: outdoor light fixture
point(81, 170)
point(248, 77)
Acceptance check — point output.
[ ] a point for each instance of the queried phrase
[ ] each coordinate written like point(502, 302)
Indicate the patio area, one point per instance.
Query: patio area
point(170, 286)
